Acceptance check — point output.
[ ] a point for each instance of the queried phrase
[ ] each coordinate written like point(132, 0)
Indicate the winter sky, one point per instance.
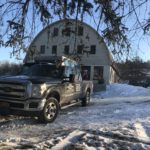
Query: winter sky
point(140, 44)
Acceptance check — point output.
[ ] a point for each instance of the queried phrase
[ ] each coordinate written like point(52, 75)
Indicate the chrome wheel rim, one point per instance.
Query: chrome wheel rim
point(50, 110)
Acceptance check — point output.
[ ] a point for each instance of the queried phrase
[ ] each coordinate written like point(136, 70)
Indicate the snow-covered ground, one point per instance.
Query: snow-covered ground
point(118, 118)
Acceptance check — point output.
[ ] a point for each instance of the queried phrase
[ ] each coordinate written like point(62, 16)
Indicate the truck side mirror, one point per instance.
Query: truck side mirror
point(72, 78)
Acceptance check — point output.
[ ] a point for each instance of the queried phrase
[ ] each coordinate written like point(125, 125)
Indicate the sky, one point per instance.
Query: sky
point(140, 44)
point(143, 52)
point(5, 55)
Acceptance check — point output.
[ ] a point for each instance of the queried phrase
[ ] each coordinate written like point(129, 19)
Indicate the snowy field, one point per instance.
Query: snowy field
point(116, 119)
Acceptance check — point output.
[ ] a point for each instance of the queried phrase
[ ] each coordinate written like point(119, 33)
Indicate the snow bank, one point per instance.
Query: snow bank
point(123, 90)
point(119, 121)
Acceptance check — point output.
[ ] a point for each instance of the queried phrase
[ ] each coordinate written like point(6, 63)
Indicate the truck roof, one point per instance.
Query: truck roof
point(53, 60)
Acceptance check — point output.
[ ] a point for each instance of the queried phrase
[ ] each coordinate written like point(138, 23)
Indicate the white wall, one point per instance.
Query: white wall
point(90, 37)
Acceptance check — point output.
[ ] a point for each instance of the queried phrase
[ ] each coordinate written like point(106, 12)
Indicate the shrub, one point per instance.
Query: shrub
point(7, 68)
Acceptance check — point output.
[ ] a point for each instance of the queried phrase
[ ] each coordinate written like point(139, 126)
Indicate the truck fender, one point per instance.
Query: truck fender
point(52, 93)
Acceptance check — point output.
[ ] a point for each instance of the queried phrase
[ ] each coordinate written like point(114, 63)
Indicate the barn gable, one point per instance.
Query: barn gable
point(59, 39)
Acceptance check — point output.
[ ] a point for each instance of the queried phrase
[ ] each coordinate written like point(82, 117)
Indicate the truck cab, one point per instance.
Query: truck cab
point(42, 87)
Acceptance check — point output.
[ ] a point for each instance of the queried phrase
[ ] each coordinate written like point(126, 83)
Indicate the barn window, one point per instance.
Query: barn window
point(79, 49)
point(85, 71)
point(42, 49)
point(80, 30)
point(66, 49)
point(54, 49)
point(55, 32)
point(66, 31)
point(93, 49)
point(98, 74)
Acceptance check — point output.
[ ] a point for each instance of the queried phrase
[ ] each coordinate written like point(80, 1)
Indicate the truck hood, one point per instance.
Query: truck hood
point(33, 79)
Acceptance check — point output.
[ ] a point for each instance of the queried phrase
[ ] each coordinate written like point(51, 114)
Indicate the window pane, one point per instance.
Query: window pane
point(93, 49)
point(55, 32)
point(85, 70)
point(79, 49)
point(42, 49)
point(54, 49)
point(66, 49)
point(44, 71)
point(69, 70)
point(66, 31)
point(80, 30)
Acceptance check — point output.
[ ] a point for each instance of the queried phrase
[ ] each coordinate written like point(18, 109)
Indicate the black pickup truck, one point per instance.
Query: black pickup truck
point(42, 88)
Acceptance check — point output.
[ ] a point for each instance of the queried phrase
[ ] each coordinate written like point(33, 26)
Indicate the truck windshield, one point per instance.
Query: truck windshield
point(43, 70)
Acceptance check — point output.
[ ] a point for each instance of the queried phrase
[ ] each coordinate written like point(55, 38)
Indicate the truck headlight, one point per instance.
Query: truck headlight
point(38, 90)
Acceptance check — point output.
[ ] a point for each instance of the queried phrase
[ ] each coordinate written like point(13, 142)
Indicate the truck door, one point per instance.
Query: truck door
point(78, 84)
point(69, 91)
point(69, 88)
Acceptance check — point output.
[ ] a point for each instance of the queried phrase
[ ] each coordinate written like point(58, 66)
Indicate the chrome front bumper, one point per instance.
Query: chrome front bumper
point(27, 105)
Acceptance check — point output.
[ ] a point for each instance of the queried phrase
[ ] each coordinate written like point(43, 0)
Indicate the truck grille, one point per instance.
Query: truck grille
point(11, 90)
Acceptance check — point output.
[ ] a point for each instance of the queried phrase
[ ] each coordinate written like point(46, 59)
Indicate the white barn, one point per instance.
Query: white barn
point(59, 39)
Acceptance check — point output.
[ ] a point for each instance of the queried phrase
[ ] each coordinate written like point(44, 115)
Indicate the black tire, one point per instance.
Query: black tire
point(50, 111)
point(86, 99)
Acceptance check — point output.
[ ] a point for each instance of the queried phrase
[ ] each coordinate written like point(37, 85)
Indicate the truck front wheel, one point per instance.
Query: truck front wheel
point(86, 99)
point(50, 111)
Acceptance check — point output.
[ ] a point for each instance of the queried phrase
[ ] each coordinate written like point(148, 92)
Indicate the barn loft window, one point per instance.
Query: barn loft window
point(55, 32)
point(54, 49)
point(80, 30)
point(80, 49)
point(66, 31)
point(66, 49)
point(93, 49)
point(42, 49)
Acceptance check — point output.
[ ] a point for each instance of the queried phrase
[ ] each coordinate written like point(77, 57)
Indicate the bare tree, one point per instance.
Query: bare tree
point(20, 18)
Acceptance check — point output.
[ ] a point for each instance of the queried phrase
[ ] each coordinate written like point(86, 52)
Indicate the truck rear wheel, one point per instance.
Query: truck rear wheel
point(86, 99)
point(50, 111)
